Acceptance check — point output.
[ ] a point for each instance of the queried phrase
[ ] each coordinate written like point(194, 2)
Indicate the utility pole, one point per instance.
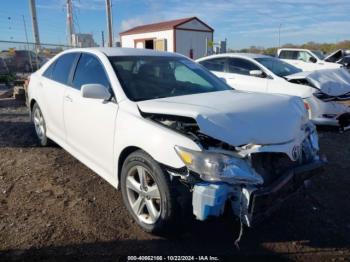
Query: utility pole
point(279, 36)
point(109, 23)
point(25, 32)
point(103, 38)
point(70, 28)
point(34, 24)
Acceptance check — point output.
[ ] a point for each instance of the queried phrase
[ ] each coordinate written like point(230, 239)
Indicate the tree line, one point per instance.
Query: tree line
point(326, 48)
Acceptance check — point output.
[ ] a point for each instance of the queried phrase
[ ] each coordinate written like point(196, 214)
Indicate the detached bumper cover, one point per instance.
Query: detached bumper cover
point(264, 201)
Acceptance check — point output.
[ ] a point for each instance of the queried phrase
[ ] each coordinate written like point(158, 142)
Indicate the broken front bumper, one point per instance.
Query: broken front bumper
point(263, 202)
point(249, 203)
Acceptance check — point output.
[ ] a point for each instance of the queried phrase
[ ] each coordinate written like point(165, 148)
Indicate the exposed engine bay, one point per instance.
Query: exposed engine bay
point(256, 169)
point(189, 127)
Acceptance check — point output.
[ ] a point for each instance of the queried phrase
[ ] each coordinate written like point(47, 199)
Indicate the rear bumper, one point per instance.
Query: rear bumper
point(265, 201)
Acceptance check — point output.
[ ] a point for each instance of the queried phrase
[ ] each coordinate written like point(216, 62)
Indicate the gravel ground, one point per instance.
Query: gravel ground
point(53, 208)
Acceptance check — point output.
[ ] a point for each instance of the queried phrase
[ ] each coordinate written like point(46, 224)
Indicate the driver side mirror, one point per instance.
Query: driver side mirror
point(256, 73)
point(312, 60)
point(95, 91)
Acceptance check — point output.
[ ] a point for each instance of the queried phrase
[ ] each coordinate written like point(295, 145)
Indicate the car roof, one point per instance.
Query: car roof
point(293, 49)
point(243, 55)
point(118, 51)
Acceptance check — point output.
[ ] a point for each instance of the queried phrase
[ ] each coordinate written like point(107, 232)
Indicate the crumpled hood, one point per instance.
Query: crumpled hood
point(333, 82)
point(235, 117)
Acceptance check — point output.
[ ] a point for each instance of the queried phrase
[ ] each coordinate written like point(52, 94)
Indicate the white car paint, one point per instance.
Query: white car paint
point(221, 116)
point(305, 64)
point(98, 131)
point(339, 79)
point(333, 82)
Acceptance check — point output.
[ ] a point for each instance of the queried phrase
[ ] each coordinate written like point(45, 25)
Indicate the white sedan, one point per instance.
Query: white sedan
point(175, 138)
point(326, 93)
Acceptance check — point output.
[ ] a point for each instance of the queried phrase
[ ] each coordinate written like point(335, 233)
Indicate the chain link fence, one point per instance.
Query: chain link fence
point(22, 58)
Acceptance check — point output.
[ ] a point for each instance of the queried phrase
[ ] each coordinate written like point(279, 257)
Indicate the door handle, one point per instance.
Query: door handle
point(68, 99)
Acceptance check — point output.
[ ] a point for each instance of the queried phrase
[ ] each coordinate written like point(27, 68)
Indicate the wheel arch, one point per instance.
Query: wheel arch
point(122, 157)
point(31, 105)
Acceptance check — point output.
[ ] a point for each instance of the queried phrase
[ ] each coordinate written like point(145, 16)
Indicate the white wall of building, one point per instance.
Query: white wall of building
point(186, 39)
point(129, 40)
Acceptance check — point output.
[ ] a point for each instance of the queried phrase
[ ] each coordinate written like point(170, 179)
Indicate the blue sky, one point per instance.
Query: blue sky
point(243, 23)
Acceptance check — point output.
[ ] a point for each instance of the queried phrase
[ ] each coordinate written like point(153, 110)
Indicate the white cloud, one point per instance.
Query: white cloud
point(130, 23)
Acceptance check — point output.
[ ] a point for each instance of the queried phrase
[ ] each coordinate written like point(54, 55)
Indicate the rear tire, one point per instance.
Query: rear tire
point(40, 125)
point(148, 194)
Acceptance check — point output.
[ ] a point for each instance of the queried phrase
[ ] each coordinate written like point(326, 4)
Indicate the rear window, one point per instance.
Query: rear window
point(288, 54)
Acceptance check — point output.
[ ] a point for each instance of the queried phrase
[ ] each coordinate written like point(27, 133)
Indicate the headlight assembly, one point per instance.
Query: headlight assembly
point(215, 167)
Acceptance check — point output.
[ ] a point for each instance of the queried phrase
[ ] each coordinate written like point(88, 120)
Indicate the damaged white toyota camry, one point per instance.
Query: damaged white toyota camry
point(174, 137)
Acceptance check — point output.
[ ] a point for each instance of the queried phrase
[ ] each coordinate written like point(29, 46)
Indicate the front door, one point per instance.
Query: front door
point(238, 75)
point(90, 123)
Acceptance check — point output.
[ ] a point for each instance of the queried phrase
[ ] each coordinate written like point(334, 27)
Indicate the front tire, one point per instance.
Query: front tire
point(40, 125)
point(148, 194)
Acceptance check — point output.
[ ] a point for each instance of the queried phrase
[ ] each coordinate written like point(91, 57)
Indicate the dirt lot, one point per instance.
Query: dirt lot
point(54, 208)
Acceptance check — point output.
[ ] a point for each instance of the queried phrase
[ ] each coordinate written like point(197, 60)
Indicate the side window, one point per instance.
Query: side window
point(89, 71)
point(49, 70)
point(288, 54)
point(63, 67)
point(215, 64)
point(304, 56)
point(241, 66)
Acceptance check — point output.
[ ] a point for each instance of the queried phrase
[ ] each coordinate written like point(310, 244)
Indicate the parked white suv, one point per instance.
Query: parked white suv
point(306, 60)
point(326, 93)
point(174, 137)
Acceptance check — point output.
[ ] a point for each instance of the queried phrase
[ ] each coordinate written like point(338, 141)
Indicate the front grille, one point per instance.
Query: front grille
point(271, 165)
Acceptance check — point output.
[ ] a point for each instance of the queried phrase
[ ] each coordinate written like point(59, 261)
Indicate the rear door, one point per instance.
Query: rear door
point(53, 85)
point(238, 71)
point(90, 123)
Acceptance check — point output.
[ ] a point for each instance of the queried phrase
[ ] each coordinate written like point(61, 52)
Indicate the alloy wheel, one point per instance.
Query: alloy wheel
point(39, 123)
point(143, 194)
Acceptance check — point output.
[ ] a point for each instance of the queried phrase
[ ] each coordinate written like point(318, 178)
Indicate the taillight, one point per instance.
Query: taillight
point(307, 106)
